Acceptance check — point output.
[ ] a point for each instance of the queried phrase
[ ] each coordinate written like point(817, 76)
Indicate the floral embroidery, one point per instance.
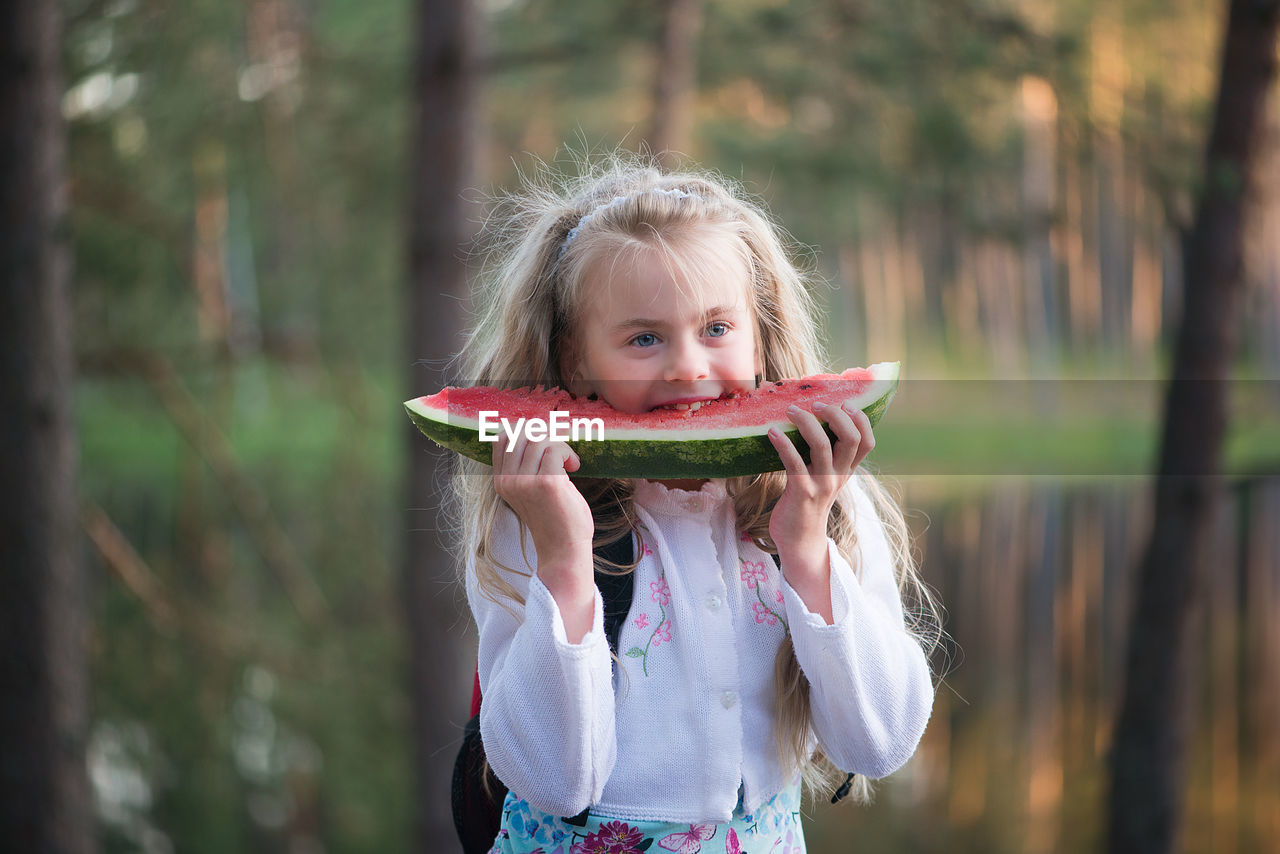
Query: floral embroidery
point(661, 592)
point(763, 614)
point(754, 575)
point(753, 572)
point(731, 845)
point(662, 634)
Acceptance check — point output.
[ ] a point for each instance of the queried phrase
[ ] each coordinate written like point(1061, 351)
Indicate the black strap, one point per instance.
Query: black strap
point(616, 588)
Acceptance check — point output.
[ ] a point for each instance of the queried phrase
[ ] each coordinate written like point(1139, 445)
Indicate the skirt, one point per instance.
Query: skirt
point(774, 828)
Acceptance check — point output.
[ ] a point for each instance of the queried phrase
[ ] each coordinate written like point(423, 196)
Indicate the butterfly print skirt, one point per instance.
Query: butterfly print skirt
point(772, 829)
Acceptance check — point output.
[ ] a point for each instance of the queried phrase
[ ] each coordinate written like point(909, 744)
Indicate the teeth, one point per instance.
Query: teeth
point(682, 407)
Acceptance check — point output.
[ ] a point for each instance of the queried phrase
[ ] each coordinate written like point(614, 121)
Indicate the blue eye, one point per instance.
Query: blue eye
point(718, 329)
point(645, 339)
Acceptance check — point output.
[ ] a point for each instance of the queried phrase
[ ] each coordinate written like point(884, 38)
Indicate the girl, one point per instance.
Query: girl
point(766, 639)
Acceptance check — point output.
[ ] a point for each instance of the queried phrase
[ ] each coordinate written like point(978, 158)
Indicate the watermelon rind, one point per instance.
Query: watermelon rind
point(666, 456)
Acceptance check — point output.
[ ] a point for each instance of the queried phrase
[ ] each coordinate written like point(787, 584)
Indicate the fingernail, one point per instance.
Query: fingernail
point(793, 409)
point(818, 406)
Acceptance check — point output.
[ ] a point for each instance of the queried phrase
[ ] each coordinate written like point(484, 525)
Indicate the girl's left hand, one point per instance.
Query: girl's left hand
point(798, 524)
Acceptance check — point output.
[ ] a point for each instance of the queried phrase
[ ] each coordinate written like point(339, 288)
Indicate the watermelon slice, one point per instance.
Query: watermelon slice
point(722, 438)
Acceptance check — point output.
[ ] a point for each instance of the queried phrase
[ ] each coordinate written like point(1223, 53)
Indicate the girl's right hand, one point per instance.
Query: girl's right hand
point(533, 478)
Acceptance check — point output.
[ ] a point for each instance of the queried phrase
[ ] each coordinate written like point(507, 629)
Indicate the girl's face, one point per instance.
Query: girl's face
point(651, 339)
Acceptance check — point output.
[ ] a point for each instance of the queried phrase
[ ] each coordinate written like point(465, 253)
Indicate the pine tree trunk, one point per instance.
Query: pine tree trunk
point(1149, 752)
point(44, 799)
point(441, 161)
point(675, 75)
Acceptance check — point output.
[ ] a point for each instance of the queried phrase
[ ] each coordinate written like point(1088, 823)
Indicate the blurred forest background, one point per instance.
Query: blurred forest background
point(996, 194)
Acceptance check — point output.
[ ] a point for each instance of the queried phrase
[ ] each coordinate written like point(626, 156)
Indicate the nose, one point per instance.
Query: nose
point(686, 362)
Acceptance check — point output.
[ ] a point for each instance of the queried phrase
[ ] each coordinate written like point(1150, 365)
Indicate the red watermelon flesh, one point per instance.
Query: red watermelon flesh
point(723, 437)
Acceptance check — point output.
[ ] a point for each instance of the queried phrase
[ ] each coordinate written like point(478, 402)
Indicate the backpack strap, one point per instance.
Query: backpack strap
point(616, 589)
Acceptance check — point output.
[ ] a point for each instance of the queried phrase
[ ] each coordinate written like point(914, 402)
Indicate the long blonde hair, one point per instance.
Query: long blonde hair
point(531, 295)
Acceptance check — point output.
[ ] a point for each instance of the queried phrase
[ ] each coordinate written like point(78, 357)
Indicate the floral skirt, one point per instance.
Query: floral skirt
point(774, 828)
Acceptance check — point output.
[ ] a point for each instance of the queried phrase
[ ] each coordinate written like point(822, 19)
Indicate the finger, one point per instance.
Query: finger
point(788, 453)
point(531, 462)
point(517, 453)
point(848, 438)
point(504, 458)
point(868, 439)
point(556, 459)
point(816, 437)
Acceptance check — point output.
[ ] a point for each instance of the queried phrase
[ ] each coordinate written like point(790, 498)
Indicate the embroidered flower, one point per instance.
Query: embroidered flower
point(662, 634)
point(661, 592)
point(744, 537)
point(777, 594)
point(645, 551)
point(763, 614)
point(753, 573)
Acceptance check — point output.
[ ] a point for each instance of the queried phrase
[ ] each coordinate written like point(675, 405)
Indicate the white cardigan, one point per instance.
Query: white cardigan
point(688, 716)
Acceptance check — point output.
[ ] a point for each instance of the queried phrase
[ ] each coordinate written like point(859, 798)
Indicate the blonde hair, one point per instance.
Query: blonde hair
point(531, 296)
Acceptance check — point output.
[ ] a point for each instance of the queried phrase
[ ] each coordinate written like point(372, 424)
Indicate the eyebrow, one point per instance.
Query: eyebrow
point(649, 322)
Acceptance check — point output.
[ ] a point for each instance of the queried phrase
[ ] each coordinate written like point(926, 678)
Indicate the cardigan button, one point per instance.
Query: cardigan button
point(713, 602)
point(727, 699)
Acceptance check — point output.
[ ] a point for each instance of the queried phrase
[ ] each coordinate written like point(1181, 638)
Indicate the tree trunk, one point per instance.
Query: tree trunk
point(441, 161)
point(44, 798)
point(1149, 752)
point(674, 76)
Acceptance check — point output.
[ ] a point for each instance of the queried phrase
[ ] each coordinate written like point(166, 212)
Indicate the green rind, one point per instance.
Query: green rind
point(654, 459)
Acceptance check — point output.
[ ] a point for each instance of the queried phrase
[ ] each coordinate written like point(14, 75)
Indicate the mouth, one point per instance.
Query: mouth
point(681, 407)
point(687, 405)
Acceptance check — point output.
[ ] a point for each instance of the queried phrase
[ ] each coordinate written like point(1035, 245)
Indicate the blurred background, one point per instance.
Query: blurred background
point(994, 193)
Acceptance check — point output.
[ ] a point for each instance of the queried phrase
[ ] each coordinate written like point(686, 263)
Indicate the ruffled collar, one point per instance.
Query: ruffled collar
point(661, 500)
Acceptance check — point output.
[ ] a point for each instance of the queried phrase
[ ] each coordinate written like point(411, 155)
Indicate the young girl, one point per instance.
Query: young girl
point(736, 673)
